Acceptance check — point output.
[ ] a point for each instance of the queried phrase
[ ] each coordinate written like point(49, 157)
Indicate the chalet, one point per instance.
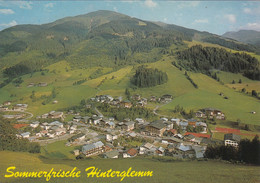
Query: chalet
point(20, 107)
point(111, 154)
point(192, 122)
point(56, 123)
point(14, 116)
point(139, 120)
point(25, 135)
point(232, 139)
point(183, 125)
point(153, 99)
point(60, 131)
point(211, 112)
point(175, 121)
point(168, 124)
point(128, 126)
point(55, 115)
point(147, 148)
point(55, 102)
point(42, 84)
point(110, 138)
point(160, 151)
point(130, 153)
point(85, 119)
point(156, 128)
point(77, 118)
point(3, 108)
point(166, 98)
point(126, 104)
point(111, 125)
point(136, 97)
point(93, 149)
point(35, 124)
point(95, 120)
point(30, 85)
point(7, 103)
point(203, 125)
point(199, 150)
point(172, 132)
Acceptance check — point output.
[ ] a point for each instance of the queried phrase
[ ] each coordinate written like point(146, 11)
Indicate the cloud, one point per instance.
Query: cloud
point(23, 4)
point(150, 3)
point(49, 5)
point(10, 24)
point(6, 11)
point(231, 18)
point(252, 11)
point(115, 9)
point(201, 21)
point(251, 26)
point(247, 10)
point(187, 4)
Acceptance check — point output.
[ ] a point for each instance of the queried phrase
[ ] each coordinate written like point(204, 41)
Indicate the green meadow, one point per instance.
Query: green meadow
point(164, 169)
point(62, 77)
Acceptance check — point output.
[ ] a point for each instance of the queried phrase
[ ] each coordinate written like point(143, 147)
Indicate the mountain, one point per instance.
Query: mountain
point(98, 53)
point(245, 36)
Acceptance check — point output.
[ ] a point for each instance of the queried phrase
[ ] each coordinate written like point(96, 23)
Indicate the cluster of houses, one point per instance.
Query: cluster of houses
point(136, 100)
point(7, 106)
point(210, 113)
point(49, 130)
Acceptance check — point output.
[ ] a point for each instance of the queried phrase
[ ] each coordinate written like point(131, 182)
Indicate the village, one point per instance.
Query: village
point(110, 138)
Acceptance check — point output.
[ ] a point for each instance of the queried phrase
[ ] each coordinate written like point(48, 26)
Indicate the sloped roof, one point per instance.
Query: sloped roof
point(88, 147)
point(232, 136)
point(132, 152)
point(112, 154)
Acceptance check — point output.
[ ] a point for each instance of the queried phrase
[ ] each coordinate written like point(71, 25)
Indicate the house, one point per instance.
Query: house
point(183, 125)
point(110, 137)
point(111, 154)
point(56, 123)
point(156, 128)
point(128, 126)
point(211, 112)
point(60, 131)
point(203, 125)
point(7, 103)
point(77, 118)
point(30, 85)
point(168, 124)
point(3, 108)
point(160, 151)
point(55, 115)
point(42, 84)
point(35, 124)
point(147, 148)
point(166, 98)
point(232, 139)
point(20, 107)
point(130, 153)
point(95, 120)
point(126, 104)
point(93, 149)
point(25, 135)
point(172, 132)
point(199, 151)
point(136, 97)
point(111, 125)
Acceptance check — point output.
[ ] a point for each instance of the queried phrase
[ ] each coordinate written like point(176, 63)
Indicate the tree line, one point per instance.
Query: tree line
point(204, 59)
point(248, 152)
point(10, 142)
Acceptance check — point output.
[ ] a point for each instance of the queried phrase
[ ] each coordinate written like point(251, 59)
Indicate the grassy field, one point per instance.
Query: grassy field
point(172, 171)
point(61, 76)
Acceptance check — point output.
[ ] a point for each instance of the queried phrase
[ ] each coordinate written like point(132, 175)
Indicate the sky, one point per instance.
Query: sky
point(215, 17)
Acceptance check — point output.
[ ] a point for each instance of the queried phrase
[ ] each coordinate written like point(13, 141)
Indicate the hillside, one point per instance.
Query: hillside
point(245, 36)
point(97, 53)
